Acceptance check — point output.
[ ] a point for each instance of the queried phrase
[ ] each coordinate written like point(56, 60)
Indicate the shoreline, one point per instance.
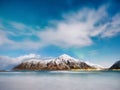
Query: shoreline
point(74, 70)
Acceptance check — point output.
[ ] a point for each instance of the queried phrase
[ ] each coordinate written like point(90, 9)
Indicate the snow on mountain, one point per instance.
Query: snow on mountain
point(41, 60)
point(66, 58)
point(94, 65)
point(62, 58)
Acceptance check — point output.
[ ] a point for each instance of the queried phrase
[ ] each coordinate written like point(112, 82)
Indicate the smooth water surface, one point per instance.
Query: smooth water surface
point(60, 80)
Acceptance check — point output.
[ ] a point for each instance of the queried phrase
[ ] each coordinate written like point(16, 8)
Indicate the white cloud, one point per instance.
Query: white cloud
point(3, 39)
point(5, 62)
point(18, 26)
point(16, 30)
point(75, 30)
point(112, 28)
point(21, 29)
point(29, 56)
point(8, 63)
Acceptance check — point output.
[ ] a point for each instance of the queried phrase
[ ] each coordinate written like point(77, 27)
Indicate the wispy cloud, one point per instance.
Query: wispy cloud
point(18, 26)
point(4, 39)
point(75, 30)
point(18, 30)
point(8, 63)
point(112, 27)
point(78, 28)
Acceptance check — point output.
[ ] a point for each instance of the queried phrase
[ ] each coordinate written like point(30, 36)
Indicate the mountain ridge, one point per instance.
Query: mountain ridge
point(63, 62)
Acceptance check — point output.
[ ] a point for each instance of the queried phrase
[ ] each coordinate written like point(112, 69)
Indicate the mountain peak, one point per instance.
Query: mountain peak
point(65, 56)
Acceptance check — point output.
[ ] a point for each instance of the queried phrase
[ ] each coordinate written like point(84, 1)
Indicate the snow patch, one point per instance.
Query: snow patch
point(94, 65)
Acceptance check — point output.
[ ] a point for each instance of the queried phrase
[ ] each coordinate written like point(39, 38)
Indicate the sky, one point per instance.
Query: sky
point(85, 29)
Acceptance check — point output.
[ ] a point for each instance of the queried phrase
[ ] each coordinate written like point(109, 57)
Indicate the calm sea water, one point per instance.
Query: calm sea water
point(60, 80)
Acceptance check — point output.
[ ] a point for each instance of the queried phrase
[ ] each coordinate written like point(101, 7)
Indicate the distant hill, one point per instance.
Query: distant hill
point(116, 65)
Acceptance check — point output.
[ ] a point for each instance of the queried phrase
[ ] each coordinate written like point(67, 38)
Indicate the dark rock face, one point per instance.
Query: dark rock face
point(115, 65)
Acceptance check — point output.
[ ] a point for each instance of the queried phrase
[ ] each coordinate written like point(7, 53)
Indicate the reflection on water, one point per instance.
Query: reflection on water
point(62, 80)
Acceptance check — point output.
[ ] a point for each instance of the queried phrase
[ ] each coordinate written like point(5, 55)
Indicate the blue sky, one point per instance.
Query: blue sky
point(85, 29)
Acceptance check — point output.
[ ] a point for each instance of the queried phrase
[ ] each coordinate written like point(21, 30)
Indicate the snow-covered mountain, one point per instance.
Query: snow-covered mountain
point(63, 62)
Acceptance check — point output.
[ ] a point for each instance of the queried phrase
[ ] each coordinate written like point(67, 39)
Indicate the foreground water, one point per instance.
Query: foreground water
point(60, 80)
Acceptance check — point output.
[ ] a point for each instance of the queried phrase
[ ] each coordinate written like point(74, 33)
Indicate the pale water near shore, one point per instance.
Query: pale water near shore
point(60, 80)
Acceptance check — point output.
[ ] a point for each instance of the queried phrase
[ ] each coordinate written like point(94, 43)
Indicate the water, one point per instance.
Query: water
point(60, 80)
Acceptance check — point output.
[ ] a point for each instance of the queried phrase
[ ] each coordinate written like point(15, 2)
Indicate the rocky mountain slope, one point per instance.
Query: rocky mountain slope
point(63, 62)
point(116, 65)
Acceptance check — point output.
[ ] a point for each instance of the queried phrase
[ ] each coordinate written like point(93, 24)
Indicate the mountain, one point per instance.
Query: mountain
point(95, 65)
point(63, 62)
point(116, 65)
